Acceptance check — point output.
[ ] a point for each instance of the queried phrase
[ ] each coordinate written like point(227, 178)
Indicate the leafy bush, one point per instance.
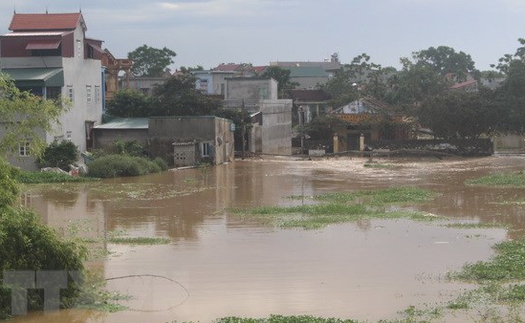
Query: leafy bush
point(121, 165)
point(49, 177)
point(161, 163)
point(8, 184)
point(59, 155)
point(28, 244)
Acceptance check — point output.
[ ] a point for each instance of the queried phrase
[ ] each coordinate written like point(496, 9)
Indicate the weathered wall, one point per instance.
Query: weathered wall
point(276, 127)
point(460, 147)
point(106, 137)
point(164, 131)
point(249, 90)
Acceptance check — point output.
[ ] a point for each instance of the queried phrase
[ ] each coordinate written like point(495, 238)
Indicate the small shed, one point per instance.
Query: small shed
point(125, 129)
point(184, 153)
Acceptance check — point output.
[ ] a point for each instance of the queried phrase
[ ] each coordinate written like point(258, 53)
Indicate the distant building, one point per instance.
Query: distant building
point(310, 75)
point(50, 55)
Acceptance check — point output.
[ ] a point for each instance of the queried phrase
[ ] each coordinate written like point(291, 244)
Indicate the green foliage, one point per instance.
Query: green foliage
point(50, 177)
point(130, 148)
point(445, 60)
point(323, 127)
point(39, 116)
point(282, 76)
point(283, 319)
point(28, 244)
point(163, 165)
point(178, 97)
point(59, 154)
point(8, 184)
point(344, 207)
point(150, 61)
point(459, 114)
point(130, 104)
point(121, 165)
point(140, 240)
point(507, 265)
point(516, 179)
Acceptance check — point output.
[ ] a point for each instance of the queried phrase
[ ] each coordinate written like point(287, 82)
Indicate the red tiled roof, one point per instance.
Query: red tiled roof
point(46, 21)
point(463, 85)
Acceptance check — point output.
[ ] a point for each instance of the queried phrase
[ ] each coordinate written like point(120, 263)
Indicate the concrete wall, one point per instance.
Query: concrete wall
point(276, 127)
point(249, 90)
point(144, 84)
point(107, 137)
point(164, 131)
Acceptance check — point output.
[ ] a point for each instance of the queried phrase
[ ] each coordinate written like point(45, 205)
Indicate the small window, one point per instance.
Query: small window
point(79, 48)
point(88, 93)
point(205, 149)
point(68, 136)
point(98, 96)
point(24, 148)
point(70, 93)
point(53, 92)
point(263, 93)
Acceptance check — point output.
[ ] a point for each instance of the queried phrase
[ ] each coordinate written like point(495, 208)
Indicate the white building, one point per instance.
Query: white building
point(49, 55)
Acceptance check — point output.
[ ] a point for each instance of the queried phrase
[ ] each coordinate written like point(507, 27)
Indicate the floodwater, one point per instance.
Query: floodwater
point(219, 264)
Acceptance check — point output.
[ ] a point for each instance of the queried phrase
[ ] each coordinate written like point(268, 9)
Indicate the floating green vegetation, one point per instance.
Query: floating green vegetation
point(477, 225)
point(50, 177)
point(140, 240)
point(344, 207)
point(516, 179)
point(379, 166)
point(137, 191)
point(283, 319)
point(95, 296)
point(508, 264)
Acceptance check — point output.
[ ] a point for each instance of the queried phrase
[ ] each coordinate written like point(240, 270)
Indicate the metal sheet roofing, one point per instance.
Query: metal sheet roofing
point(29, 77)
point(43, 44)
point(313, 71)
point(125, 123)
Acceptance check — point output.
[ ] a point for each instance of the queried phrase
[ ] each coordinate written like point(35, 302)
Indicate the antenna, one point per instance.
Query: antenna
point(47, 11)
point(80, 8)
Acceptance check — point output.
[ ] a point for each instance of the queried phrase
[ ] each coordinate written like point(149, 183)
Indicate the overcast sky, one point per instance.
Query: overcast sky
point(210, 32)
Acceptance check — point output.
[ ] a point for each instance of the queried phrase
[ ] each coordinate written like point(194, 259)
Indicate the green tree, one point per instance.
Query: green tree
point(282, 76)
point(463, 115)
point(150, 61)
point(178, 96)
point(511, 94)
point(130, 104)
point(59, 154)
point(323, 127)
point(189, 69)
point(25, 116)
point(445, 60)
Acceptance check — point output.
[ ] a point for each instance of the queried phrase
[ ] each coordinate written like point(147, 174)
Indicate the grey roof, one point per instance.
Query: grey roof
point(125, 123)
point(312, 71)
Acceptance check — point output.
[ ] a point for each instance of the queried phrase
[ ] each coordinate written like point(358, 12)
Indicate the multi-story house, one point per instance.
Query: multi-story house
point(50, 55)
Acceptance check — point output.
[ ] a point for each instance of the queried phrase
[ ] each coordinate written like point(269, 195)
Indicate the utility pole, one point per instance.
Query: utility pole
point(243, 127)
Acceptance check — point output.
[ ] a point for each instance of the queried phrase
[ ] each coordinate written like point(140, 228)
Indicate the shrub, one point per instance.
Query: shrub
point(59, 155)
point(29, 245)
point(121, 165)
point(161, 162)
point(8, 184)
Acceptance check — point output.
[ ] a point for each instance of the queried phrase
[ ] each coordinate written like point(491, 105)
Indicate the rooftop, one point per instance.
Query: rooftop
point(46, 21)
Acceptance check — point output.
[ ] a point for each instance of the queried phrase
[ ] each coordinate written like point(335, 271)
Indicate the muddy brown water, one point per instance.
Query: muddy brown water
point(221, 265)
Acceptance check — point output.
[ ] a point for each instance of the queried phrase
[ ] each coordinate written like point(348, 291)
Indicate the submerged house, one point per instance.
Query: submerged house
point(369, 120)
point(181, 140)
point(50, 56)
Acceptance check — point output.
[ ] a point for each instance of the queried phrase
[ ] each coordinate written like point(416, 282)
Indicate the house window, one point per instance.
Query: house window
point(263, 93)
point(79, 48)
point(46, 52)
point(98, 96)
point(88, 93)
point(24, 148)
point(53, 92)
point(68, 135)
point(70, 93)
point(205, 149)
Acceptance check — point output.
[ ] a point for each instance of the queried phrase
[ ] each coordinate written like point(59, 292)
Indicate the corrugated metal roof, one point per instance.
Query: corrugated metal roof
point(125, 123)
point(36, 76)
point(313, 71)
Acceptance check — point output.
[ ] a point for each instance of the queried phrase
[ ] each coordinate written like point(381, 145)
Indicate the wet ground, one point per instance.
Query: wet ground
point(219, 264)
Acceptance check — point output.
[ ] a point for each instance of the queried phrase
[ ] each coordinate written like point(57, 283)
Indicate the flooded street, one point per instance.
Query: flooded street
point(219, 264)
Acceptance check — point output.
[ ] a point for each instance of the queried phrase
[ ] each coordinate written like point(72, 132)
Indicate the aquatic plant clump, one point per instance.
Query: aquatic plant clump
point(283, 319)
point(516, 179)
point(344, 207)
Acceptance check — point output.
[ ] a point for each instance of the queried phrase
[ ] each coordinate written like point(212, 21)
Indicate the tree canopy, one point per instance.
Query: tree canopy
point(26, 116)
point(150, 61)
point(130, 104)
point(282, 76)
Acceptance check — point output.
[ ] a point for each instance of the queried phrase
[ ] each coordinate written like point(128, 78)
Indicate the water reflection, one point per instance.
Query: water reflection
point(235, 266)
